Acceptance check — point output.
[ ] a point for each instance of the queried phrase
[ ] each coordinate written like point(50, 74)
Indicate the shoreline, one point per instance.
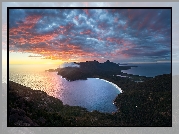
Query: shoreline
point(120, 90)
point(117, 88)
point(29, 107)
point(42, 101)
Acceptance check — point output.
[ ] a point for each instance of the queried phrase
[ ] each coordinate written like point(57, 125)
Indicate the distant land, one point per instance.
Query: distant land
point(146, 103)
point(94, 69)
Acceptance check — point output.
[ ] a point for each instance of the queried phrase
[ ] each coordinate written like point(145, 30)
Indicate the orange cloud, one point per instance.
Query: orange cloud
point(26, 35)
point(28, 24)
point(116, 40)
point(23, 35)
point(86, 32)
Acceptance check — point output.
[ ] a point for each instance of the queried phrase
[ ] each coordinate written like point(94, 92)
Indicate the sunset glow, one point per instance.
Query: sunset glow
point(74, 35)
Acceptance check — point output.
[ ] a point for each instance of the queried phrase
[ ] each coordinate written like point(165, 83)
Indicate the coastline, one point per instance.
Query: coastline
point(112, 84)
point(29, 107)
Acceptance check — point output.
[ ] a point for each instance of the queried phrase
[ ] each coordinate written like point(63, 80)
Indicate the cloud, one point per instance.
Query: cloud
point(34, 56)
point(83, 34)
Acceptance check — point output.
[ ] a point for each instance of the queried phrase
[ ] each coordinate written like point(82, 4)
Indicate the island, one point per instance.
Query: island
point(146, 103)
point(94, 69)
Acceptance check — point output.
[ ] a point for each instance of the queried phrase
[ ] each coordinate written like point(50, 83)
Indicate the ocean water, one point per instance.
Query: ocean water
point(149, 69)
point(93, 93)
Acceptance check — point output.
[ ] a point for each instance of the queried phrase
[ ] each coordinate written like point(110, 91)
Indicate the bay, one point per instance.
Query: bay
point(93, 93)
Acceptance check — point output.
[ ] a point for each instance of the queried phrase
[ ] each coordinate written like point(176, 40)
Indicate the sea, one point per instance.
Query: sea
point(92, 94)
point(149, 69)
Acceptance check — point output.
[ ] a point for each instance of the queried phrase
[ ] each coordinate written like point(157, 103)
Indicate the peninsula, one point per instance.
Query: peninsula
point(146, 103)
point(94, 69)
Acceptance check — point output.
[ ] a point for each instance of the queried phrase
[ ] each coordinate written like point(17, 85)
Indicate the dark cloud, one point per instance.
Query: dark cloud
point(117, 34)
point(16, 17)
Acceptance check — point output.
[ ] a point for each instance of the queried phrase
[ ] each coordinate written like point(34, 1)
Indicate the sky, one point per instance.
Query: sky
point(53, 36)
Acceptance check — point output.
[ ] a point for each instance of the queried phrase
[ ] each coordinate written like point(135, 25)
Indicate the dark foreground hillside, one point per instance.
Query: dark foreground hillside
point(143, 104)
point(148, 103)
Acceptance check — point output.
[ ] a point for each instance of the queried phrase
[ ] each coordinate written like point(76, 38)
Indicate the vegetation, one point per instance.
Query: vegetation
point(91, 69)
point(142, 104)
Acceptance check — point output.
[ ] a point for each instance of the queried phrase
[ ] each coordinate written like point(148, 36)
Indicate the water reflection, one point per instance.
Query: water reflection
point(93, 94)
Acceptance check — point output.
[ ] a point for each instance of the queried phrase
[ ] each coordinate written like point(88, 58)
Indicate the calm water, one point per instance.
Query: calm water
point(93, 94)
point(149, 70)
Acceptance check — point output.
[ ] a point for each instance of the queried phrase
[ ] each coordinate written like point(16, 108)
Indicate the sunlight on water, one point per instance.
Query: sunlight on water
point(32, 68)
point(93, 94)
